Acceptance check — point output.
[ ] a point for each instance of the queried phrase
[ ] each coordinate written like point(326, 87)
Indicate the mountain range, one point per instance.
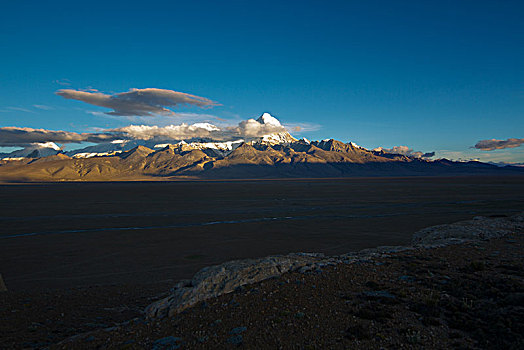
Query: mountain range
point(277, 155)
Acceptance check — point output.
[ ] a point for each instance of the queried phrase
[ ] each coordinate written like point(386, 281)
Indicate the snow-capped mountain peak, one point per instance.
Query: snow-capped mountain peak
point(106, 149)
point(304, 140)
point(47, 145)
point(35, 150)
point(268, 119)
point(355, 145)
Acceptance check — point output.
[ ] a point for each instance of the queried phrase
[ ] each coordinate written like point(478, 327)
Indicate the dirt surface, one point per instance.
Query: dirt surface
point(55, 236)
point(467, 296)
point(36, 319)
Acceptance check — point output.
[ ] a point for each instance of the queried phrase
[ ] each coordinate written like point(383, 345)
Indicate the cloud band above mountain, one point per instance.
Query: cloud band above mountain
point(138, 102)
point(493, 144)
point(169, 132)
point(406, 151)
point(248, 129)
point(22, 137)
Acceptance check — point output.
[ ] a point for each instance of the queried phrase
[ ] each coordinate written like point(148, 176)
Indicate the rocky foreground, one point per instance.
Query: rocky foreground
point(458, 286)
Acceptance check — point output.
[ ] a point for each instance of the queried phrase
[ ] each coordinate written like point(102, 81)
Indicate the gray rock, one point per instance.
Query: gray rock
point(305, 269)
point(235, 340)
point(167, 343)
point(3, 288)
point(378, 294)
point(479, 228)
point(216, 280)
point(407, 278)
point(238, 330)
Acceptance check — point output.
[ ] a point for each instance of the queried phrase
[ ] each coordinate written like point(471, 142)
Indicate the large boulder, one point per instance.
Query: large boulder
point(216, 280)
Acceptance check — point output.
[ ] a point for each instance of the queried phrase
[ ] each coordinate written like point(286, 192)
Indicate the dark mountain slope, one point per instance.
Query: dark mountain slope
point(329, 158)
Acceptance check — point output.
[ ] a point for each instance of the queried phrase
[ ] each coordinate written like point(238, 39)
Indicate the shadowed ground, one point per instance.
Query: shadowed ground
point(74, 234)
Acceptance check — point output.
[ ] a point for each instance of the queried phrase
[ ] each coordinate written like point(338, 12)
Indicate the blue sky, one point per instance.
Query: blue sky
point(432, 75)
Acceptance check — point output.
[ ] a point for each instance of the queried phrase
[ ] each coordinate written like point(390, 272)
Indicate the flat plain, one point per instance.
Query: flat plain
point(63, 235)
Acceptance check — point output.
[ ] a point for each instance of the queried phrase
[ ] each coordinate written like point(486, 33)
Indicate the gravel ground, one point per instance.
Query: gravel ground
point(462, 296)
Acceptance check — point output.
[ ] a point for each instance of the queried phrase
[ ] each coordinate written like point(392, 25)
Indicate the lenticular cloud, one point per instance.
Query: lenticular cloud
point(138, 102)
point(493, 144)
point(23, 137)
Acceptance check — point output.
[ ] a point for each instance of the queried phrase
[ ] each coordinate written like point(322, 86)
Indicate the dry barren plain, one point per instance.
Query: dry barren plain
point(62, 235)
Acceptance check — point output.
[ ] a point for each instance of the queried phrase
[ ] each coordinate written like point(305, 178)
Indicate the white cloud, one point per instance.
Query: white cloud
point(170, 132)
point(160, 120)
point(20, 109)
point(405, 150)
point(510, 156)
point(245, 129)
point(251, 128)
point(44, 107)
point(302, 127)
point(63, 82)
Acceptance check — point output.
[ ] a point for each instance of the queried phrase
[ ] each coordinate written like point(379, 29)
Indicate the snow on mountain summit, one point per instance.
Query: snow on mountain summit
point(107, 148)
point(268, 119)
point(355, 145)
point(51, 145)
point(35, 150)
point(274, 138)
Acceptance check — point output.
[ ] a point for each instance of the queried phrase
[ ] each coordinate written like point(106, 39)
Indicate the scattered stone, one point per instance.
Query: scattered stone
point(372, 284)
point(238, 330)
point(3, 287)
point(95, 325)
point(235, 340)
point(216, 323)
point(167, 343)
point(378, 294)
point(203, 339)
point(305, 269)
point(234, 303)
point(407, 278)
